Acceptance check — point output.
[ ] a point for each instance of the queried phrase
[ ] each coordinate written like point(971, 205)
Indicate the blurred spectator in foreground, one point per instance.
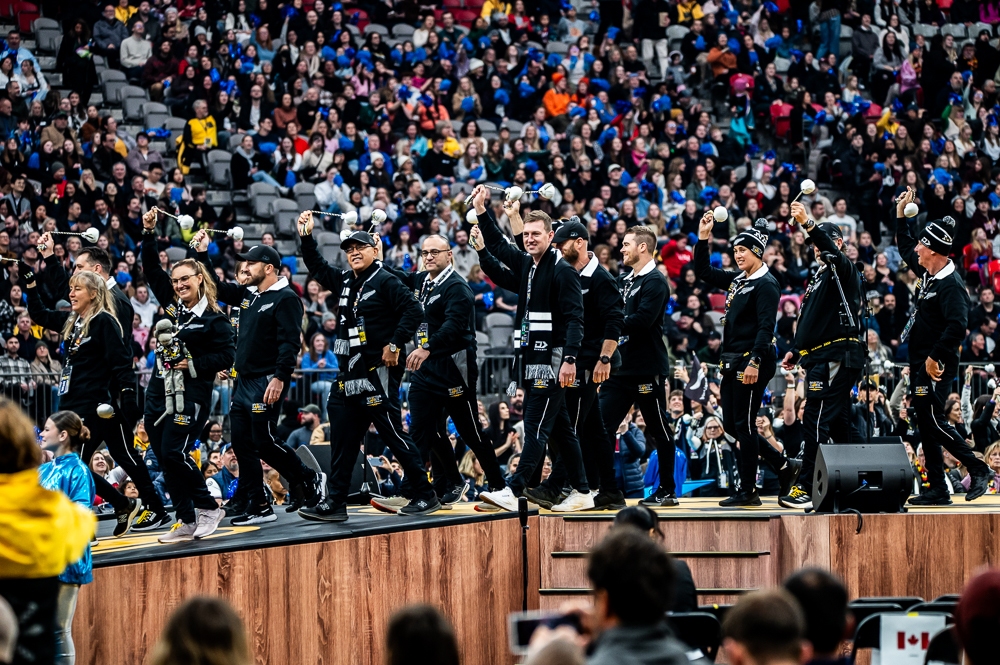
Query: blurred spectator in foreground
point(203, 630)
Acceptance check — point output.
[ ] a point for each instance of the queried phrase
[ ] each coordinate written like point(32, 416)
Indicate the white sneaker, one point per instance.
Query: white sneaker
point(179, 533)
point(503, 499)
point(208, 522)
point(574, 502)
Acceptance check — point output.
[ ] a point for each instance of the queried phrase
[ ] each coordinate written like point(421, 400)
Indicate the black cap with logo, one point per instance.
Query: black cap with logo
point(262, 254)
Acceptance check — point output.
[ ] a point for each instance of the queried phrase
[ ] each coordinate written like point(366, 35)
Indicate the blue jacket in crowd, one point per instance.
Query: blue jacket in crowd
point(69, 475)
point(629, 449)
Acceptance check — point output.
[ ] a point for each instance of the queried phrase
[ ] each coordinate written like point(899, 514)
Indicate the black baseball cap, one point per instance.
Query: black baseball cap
point(571, 229)
point(360, 237)
point(830, 229)
point(262, 254)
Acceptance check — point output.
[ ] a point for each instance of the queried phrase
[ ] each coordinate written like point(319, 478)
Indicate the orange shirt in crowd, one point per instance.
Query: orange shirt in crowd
point(721, 61)
point(555, 103)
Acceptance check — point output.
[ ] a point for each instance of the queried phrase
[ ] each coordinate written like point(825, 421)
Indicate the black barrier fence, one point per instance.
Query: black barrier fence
point(37, 392)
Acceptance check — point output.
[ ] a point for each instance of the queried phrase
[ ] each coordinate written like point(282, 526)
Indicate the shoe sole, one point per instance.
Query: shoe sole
point(795, 506)
point(465, 490)
point(547, 505)
point(490, 501)
point(258, 519)
point(312, 517)
point(391, 510)
point(420, 513)
point(947, 502)
point(486, 508)
point(131, 518)
point(557, 509)
point(743, 504)
point(185, 539)
point(972, 496)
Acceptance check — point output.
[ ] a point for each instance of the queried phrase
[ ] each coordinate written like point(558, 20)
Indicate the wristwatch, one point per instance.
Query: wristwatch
point(570, 360)
point(809, 225)
point(393, 348)
point(605, 360)
point(426, 346)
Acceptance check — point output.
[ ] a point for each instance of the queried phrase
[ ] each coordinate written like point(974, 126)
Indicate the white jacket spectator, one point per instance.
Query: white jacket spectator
point(329, 194)
point(136, 50)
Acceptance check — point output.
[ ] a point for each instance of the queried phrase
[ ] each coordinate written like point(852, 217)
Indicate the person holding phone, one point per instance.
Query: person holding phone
point(935, 330)
point(748, 356)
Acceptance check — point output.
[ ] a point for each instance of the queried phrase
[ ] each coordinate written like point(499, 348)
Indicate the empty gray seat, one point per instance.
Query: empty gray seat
point(285, 213)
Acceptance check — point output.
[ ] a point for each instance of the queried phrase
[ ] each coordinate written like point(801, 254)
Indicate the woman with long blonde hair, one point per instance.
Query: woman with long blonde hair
point(96, 358)
point(188, 297)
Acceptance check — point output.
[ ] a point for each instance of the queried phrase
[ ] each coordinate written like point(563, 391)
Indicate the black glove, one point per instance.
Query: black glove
point(27, 275)
point(129, 407)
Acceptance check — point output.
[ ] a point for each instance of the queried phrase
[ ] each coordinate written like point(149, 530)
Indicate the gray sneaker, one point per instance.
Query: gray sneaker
point(391, 505)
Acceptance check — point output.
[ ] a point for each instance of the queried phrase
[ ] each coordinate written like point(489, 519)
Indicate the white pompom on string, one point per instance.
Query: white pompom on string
point(547, 191)
point(990, 368)
point(379, 216)
point(345, 234)
point(105, 411)
point(720, 214)
point(471, 217)
point(514, 193)
point(186, 222)
point(808, 186)
point(91, 235)
point(911, 209)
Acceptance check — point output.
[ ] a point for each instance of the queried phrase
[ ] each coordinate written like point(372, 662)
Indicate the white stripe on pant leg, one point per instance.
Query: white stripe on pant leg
point(538, 432)
point(398, 436)
point(822, 403)
point(475, 421)
point(128, 448)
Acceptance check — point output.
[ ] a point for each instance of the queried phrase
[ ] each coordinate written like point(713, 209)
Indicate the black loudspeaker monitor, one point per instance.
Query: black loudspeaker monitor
point(868, 477)
point(364, 482)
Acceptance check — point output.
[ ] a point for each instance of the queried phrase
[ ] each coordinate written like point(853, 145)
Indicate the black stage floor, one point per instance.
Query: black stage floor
point(289, 529)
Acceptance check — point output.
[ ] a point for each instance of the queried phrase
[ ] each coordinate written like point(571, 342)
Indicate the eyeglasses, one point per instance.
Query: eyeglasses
point(181, 280)
point(433, 253)
point(352, 249)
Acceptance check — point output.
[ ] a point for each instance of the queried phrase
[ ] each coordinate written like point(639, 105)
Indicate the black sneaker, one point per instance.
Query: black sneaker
point(295, 503)
point(936, 497)
point(605, 500)
point(420, 507)
point(741, 498)
point(657, 498)
point(798, 498)
point(324, 512)
point(236, 508)
point(456, 494)
point(788, 475)
point(542, 496)
point(124, 519)
point(257, 515)
point(978, 486)
point(150, 520)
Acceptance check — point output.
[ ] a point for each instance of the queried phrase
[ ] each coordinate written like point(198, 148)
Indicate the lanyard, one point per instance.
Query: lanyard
point(426, 291)
point(527, 299)
point(357, 296)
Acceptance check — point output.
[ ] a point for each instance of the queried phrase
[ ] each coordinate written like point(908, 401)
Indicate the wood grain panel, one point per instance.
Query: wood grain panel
point(927, 554)
point(325, 602)
point(717, 573)
point(802, 541)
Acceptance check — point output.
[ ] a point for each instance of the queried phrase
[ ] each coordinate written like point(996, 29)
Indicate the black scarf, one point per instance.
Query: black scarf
point(351, 341)
point(540, 360)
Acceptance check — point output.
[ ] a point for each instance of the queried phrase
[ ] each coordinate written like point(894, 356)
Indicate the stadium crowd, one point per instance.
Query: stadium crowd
point(648, 114)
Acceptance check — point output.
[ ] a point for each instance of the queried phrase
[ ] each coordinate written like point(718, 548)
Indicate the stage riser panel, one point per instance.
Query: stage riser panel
point(326, 602)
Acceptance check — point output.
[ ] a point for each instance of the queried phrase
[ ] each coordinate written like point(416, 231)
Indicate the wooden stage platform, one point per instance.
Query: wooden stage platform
point(318, 593)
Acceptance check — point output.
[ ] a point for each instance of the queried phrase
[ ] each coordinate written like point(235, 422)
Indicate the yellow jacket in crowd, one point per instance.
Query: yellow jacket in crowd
point(41, 532)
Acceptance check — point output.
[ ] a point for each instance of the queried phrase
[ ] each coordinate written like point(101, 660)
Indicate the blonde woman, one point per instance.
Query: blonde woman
point(96, 358)
point(188, 297)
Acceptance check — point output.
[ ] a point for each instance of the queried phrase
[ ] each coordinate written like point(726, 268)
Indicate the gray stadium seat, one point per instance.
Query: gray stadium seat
point(486, 125)
point(176, 254)
point(219, 174)
point(154, 114)
point(376, 27)
point(48, 35)
point(402, 30)
point(285, 213)
point(261, 194)
point(112, 82)
point(305, 196)
point(500, 328)
point(955, 29)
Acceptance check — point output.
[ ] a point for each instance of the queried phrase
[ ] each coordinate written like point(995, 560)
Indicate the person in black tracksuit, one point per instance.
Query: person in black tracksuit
point(187, 296)
point(935, 330)
point(267, 345)
point(645, 363)
point(828, 345)
point(550, 312)
point(376, 316)
point(444, 372)
point(56, 280)
point(96, 358)
point(602, 325)
point(748, 356)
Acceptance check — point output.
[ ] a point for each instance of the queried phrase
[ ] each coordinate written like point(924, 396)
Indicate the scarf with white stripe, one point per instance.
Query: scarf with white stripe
point(537, 350)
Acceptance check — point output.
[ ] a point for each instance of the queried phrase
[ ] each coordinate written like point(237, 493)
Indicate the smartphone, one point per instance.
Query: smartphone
point(375, 462)
point(521, 626)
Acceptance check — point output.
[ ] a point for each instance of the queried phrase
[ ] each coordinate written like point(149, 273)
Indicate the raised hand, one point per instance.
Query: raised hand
point(149, 219)
point(705, 225)
point(305, 223)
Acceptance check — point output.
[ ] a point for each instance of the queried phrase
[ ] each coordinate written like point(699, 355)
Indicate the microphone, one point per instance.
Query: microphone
point(522, 512)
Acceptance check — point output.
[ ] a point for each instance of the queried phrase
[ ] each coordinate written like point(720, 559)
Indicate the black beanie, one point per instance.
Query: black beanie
point(938, 235)
point(754, 237)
